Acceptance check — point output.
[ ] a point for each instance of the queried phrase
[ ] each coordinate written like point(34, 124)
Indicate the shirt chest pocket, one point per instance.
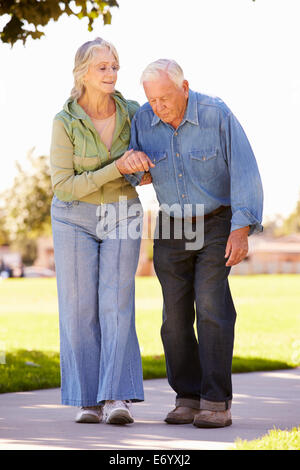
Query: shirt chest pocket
point(160, 173)
point(206, 165)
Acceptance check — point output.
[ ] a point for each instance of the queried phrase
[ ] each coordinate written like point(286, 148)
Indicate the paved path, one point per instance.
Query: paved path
point(262, 401)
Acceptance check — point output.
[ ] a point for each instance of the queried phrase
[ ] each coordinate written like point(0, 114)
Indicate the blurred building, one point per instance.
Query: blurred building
point(45, 253)
point(268, 255)
point(10, 263)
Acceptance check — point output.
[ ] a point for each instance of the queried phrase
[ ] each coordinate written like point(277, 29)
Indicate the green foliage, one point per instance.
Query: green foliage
point(27, 249)
point(27, 15)
point(27, 203)
point(4, 236)
point(29, 370)
point(291, 224)
point(276, 439)
point(279, 225)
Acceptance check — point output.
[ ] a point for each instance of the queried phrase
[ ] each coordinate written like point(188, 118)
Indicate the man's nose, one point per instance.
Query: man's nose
point(159, 106)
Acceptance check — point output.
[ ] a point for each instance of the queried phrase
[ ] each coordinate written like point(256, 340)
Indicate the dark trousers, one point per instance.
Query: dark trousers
point(198, 369)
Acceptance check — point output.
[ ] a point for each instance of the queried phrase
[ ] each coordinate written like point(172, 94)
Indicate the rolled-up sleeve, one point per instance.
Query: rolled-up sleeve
point(246, 191)
point(66, 184)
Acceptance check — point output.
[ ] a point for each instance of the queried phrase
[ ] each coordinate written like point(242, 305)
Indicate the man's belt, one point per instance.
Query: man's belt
point(206, 216)
point(211, 214)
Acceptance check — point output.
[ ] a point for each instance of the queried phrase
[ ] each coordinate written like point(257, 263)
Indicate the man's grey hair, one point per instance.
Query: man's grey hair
point(153, 71)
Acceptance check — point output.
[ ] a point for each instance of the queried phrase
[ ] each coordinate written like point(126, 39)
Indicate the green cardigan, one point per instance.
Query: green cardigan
point(82, 168)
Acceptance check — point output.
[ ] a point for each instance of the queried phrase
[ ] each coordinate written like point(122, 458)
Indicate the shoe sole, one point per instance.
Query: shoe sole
point(175, 421)
point(88, 419)
point(205, 424)
point(119, 417)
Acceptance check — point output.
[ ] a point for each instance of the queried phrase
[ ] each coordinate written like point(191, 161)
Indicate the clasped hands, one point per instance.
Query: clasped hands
point(133, 161)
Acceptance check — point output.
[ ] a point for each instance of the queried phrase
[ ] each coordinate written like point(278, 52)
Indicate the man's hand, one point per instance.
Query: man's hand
point(237, 246)
point(146, 179)
point(133, 161)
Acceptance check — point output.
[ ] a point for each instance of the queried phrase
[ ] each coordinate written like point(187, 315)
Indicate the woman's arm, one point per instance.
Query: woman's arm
point(67, 185)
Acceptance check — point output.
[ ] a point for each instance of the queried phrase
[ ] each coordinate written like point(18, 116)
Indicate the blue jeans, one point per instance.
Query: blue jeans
point(198, 369)
point(95, 270)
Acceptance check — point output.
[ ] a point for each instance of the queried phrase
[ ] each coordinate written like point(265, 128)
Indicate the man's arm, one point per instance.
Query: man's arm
point(245, 188)
point(139, 177)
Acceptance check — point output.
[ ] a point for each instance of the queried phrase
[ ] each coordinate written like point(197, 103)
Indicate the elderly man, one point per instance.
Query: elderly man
point(200, 156)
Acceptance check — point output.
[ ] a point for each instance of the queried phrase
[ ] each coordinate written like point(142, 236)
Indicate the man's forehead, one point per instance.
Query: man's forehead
point(159, 87)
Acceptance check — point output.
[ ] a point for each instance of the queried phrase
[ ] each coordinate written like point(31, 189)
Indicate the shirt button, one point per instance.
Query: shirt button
point(176, 133)
point(177, 154)
point(183, 195)
point(180, 175)
point(203, 158)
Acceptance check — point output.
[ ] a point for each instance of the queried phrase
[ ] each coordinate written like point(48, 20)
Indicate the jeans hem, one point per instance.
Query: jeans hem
point(188, 402)
point(68, 402)
point(132, 398)
point(84, 403)
point(203, 404)
point(215, 405)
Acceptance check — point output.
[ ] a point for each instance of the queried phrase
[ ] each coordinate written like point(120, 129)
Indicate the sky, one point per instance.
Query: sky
point(245, 52)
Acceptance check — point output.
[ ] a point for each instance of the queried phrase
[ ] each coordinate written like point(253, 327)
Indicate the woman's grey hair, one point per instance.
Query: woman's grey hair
point(170, 67)
point(83, 58)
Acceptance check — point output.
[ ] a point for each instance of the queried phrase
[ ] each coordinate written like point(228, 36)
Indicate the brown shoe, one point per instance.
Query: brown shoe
point(181, 415)
point(212, 419)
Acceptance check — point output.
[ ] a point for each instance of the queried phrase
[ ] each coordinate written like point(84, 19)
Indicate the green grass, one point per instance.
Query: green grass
point(267, 328)
point(276, 439)
point(29, 370)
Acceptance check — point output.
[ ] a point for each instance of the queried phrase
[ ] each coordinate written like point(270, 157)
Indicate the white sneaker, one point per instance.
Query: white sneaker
point(90, 414)
point(117, 412)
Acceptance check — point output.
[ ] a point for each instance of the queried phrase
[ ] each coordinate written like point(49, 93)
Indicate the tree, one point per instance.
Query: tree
point(27, 13)
point(27, 206)
point(25, 214)
point(4, 236)
point(40, 12)
point(292, 223)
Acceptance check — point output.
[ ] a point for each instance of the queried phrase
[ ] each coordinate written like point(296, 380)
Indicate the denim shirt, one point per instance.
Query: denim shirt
point(207, 160)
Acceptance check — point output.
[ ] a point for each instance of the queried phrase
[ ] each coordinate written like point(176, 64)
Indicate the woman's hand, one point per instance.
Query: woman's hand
point(133, 161)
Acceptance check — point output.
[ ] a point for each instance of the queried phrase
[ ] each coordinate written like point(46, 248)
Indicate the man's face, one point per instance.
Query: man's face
point(167, 100)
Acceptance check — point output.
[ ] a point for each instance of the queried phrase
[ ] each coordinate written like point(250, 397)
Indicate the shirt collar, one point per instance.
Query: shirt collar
point(191, 112)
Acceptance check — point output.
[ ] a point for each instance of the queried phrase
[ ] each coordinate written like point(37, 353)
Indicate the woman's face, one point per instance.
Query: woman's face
point(102, 73)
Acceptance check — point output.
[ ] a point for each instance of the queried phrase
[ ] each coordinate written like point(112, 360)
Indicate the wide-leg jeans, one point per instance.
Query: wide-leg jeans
point(96, 260)
point(198, 368)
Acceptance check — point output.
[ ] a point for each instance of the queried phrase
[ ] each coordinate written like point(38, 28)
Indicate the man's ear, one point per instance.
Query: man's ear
point(186, 87)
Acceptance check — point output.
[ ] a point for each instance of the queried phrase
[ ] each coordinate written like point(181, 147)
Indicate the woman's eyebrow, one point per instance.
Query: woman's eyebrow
point(105, 62)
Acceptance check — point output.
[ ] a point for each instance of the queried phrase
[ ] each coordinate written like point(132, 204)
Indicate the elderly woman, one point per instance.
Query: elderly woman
point(96, 254)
